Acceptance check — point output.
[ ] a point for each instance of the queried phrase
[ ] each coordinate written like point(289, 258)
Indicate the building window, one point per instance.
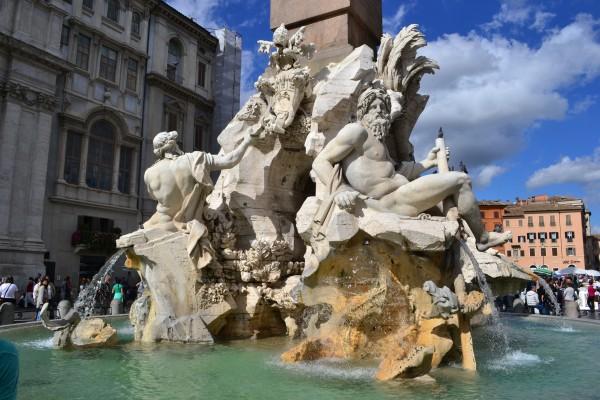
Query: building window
point(132, 71)
point(174, 61)
point(520, 222)
point(554, 237)
point(83, 51)
point(100, 155)
point(530, 221)
point(72, 158)
point(570, 251)
point(64, 35)
point(522, 253)
point(136, 20)
point(201, 74)
point(543, 251)
point(198, 136)
point(108, 64)
point(112, 10)
point(541, 220)
point(570, 235)
point(89, 4)
point(125, 162)
point(496, 214)
point(508, 253)
point(555, 252)
point(482, 214)
point(568, 219)
point(531, 252)
point(520, 239)
point(542, 236)
point(507, 223)
point(531, 237)
point(552, 220)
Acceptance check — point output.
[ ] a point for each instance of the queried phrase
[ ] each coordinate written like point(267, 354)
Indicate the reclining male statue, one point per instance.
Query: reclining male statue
point(356, 164)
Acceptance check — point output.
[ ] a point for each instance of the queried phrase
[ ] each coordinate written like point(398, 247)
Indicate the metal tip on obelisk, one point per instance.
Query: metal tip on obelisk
point(440, 133)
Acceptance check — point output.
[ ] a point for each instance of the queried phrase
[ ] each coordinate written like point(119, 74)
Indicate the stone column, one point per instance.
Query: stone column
point(62, 149)
point(8, 151)
point(115, 174)
point(37, 178)
point(83, 162)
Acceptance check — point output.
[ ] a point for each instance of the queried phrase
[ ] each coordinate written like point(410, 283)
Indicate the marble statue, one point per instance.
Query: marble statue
point(180, 182)
point(356, 165)
point(321, 225)
point(443, 299)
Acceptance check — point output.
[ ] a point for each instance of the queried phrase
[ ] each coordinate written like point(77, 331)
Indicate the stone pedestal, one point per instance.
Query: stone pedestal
point(335, 26)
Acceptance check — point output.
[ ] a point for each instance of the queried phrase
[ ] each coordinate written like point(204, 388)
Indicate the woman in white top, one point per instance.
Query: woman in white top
point(8, 291)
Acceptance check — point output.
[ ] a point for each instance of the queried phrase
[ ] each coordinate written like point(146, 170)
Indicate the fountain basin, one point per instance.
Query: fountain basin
point(546, 357)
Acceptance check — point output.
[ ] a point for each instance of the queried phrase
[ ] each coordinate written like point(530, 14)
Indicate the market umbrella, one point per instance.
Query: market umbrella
point(566, 271)
point(542, 271)
point(592, 272)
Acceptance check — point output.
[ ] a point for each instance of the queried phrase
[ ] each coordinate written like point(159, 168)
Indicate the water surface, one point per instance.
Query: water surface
point(544, 358)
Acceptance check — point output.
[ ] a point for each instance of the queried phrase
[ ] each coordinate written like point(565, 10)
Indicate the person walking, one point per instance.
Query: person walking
point(29, 293)
point(118, 297)
point(8, 291)
point(532, 300)
point(591, 296)
point(42, 297)
point(67, 289)
point(571, 309)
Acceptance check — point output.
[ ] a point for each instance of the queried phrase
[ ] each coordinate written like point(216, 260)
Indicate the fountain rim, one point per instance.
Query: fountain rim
point(34, 324)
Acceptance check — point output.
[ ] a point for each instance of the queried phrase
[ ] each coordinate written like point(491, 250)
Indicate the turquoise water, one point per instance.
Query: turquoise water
point(545, 358)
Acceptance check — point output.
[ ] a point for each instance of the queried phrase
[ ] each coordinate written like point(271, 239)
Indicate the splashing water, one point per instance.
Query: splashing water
point(499, 331)
point(550, 294)
point(94, 299)
point(515, 359)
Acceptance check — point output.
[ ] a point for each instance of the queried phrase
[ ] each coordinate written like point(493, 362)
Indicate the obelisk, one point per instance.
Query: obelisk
point(335, 26)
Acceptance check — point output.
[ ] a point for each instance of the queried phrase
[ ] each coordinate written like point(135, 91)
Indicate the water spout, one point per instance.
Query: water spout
point(95, 297)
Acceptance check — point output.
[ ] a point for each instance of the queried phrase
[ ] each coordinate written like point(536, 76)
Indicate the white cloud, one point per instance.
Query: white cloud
point(489, 91)
point(516, 12)
point(247, 80)
point(584, 104)
point(204, 12)
point(584, 170)
point(393, 24)
point(487, 173)
point(541, 19)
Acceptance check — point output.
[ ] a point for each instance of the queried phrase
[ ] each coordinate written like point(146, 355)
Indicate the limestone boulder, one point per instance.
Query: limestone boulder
point(94, 332)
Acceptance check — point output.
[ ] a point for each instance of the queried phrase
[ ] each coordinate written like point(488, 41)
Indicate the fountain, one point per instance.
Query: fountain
point(322, 236)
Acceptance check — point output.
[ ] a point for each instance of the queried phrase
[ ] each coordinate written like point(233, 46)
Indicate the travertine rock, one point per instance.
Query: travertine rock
point(93, 332)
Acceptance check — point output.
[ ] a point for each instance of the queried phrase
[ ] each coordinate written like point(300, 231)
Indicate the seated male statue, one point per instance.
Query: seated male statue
point(180, 182)
point(369, 173)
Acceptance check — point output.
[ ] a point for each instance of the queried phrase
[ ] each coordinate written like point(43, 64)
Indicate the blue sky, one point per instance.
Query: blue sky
point(518, 92)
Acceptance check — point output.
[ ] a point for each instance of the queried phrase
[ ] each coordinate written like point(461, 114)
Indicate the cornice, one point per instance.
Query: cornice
point(17, 46)
point(170, 86)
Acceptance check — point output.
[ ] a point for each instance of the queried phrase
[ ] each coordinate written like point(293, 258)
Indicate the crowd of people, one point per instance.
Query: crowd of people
point(42, 290)
point(575, 296)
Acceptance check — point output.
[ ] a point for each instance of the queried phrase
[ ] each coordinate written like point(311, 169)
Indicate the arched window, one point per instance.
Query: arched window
point(175, 53)
point(100, 160)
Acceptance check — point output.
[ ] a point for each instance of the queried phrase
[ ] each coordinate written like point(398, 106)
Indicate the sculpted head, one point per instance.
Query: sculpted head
point(165, 143)
point(373, 111)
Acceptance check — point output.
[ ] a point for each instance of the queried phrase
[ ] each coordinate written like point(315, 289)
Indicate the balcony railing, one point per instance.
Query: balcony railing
point(94, 240)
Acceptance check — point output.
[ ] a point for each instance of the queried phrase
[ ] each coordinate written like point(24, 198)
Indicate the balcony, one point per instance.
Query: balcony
point(94, 241)
point(174, 75)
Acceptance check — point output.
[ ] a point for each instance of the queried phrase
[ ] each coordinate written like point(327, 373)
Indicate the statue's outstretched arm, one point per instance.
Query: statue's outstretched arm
point(231, 159)
point(335, 151)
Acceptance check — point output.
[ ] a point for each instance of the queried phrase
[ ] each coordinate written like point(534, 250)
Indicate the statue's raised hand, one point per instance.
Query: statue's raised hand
point(346, 199)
